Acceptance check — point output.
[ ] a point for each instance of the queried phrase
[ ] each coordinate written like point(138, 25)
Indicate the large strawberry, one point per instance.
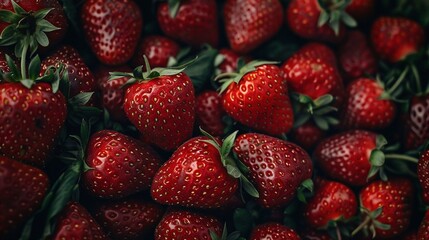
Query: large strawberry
point(423, 174)
point(273, 230)
point(119, 165)
point(159, 50)
point(423, 232)
point(249, 23)
point(276, 167)
point(161, 105)
point(257, 96)
point(23, 188)
point(395, 38)
point(194, 22)
point(209, 112)
point(416, 128)
point(182, 224)
point(76, 223)
point(112, 29)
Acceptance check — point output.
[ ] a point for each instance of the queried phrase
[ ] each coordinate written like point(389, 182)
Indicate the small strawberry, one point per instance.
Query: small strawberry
point(249, 23)
point(226, 61)
point(361, 10)
point(273, 231)
point(112, 29)
point(119, 165)
point(159, 50)
point(23, 188)
point(395, 38)
point(3, 62)
point(209, 112)
point(423, 175)
point(182, 224)
point(257, 96)
point(193, 22)
point(129, 218)
point(307, 135)
point(76, 223)
point(416, 127)
point(423, 232)
point(277, 168)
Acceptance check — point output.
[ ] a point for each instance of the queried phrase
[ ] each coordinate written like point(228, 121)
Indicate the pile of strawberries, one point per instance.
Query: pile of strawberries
point(214, 119)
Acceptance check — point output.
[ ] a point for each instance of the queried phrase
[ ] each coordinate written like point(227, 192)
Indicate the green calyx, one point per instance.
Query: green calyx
point(333, 13)
point(305, 190)
point(225, 236)
point(227, 78)
point(370, 223)
point(173, 7)
point(319, 110)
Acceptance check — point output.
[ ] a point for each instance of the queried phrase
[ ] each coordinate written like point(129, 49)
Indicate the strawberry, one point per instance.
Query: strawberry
point(249, 23)
point(361, 10)
point(423, 175)
point(356, 56)
point(76, 223)
point(159, 50)
point(395, 38)
point(129, 218)
point(277, 168)
point(23, 188)
point(209, 112)
point(416, 127)
point(193, 22)
point(183, 224)
point(307, 135)
point(3, 62)
point(331, 202)
point(257, 96)
point(112, 29)
point(423, 232)
point(30, 120)
point(119, 165)
point(367, 106)
point(226, 61)
point(273, 231)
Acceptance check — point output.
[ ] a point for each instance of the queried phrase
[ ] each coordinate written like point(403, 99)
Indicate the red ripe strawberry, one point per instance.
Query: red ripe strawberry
point(273, 231)
point(229, 61)
point(395, 38)
point(23, 188)
point(209, 112)
point(76, 223)
point(111, 91)
point(356, 57)
point(112, 29)
point(423, 232)
point(417, 122)
point(332, 201)
point(423, 174)
point(3, 63)
point(363, 107)
point(159, 50)
point(195, 22)
point(257, 97)
point(194, 176)
point(80, 77)
point(276, 167)
point(387, 206)
point(302, 16)
point(120, 165)
point(249, 23)
point(30, 120)
point(129, 218)
point(182, 224)
point(361, 10)
point(307, 135)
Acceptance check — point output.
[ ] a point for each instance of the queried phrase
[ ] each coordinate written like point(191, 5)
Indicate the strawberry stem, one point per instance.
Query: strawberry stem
point(337, 231)
point(24, 58)
point(362, 225)
point(401, 157)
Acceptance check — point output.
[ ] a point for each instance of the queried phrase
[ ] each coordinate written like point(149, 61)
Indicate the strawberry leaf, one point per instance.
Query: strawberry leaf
point(377, 158)
point(34, 67)
point(173, 7)
point(227, 144)
point(249, 187)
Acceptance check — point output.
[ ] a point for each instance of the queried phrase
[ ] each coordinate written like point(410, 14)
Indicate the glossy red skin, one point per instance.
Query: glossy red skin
point(361, 10)
point(356, 57)
point(158, 50)
point(276, 167)
point(75, 222)
point(80, 77)
point(313, 71)
point(395, 38)
point(423, 232)
point(55, 17)
point(423, 174)
point(194, 177)
point(417, 123)
point(120, 165)
point(396, 197)
point(302, 17)
point(209, 112)
point(128, 219)
point(345, 156)
point(260, 100)
point(111, 91)
point(229, 63)
point(331, 201)
point(112, 28)
point(249, 23)
point(363, 109)
point(3, 64)
point(273, 231)
point(195, 23)
point(162, 109)
point(186, 225)
point(22, 190)
point(307, 135)
point(30, 121)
